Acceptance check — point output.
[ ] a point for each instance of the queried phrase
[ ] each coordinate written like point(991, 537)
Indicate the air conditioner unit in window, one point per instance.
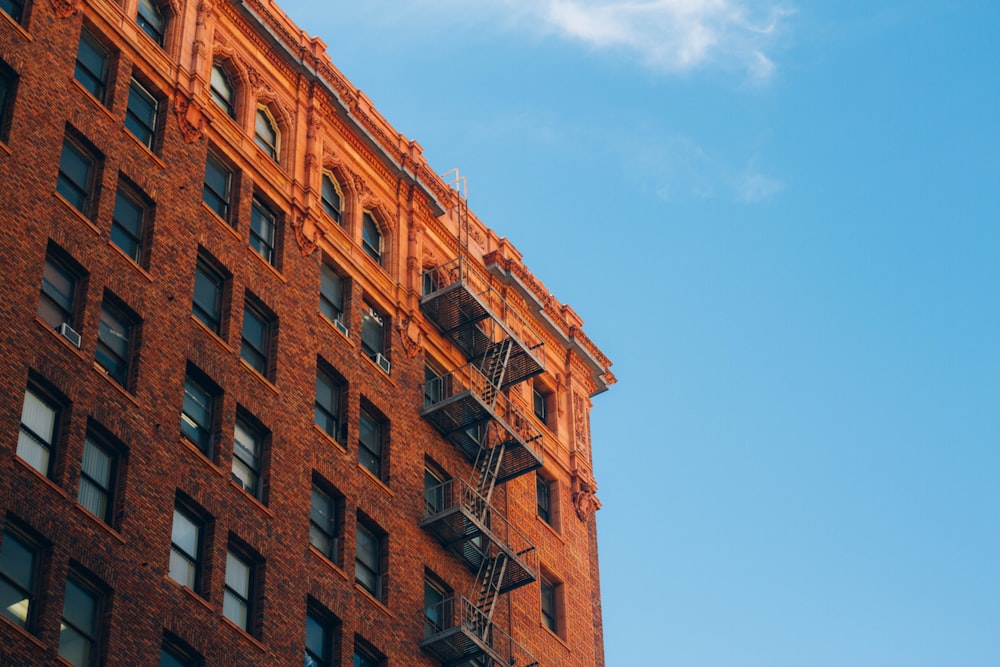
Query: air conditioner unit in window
point(382, 362)
point(341, 327)
point(69, 334)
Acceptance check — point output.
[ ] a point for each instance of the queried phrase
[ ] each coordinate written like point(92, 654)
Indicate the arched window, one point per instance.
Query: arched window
point(221, 90)
point(266, 133)
point(371, 238)
point(152, 20)
point(333, 202)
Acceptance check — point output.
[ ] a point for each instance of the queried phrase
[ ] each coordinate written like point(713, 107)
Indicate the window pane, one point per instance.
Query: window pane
point(74, 176)
point(237, 575)
point(371, 238)
point(17, 562)
point(185, 533)
point(316, 639)
point(371, 331)
point(331, 302)
point(79, 626)
point(140, 117)
point(222, 90)
point(151, 20)
point(126, 225)
point(216, 190)
point(91, 65)
point(207, 303)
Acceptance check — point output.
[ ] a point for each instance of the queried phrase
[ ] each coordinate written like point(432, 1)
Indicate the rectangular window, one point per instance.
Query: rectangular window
point(435, 613)
point(550, 596)
point(263, 231)
point(365, 654)
point(19, 558)
point(92, 59)
point(258, 332)
point(175, 653)
point(77, 175)
point(186, 549)
point(331, 294)
point(60, 283)
point(129, 222)
point(14, 9)
point(326, 523)
point(433, 493)
point(370, 441)
point(78, 632)
point(39, 426)
point(141, 114)
point(115, 342)
point(538, 403)
point(98, 475)
point(248, 454)
point(209, 293)
point(218, 186)
point(436, 385)
point(368, 569)
point(321, 637)
point(372, 332)
point(328, 398)
point(198, 412)
point(238, 593)
point(151, 20)
point(8, 87)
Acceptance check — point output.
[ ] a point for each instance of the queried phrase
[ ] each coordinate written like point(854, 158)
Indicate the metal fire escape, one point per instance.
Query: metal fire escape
point(471, 408)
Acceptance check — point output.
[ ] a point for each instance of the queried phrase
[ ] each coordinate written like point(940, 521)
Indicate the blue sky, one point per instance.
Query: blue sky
point(780, 221)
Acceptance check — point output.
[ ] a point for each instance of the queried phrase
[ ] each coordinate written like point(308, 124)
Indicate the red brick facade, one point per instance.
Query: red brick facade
point(149, 232)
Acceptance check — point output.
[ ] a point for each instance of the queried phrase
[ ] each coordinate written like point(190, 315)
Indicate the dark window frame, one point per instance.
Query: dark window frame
point(330, 188)
point(373, 460)
point(35, 549)
point(373, 320)
point(98, 594)
point(147, 22)
point(265, 226)
point(143, 126)
point(97, 83)
point(52, 298)
point(220, 203)
point(8, 92)
point(13, 9)
point(372, 238)
point(258, 350)
point(131, 222)
point(326, 526)
point(270, 145)
point(49, 449)
point(248, 600)
point(178, 651)
point(543, 500)
point(210, 274)
point(104, 490)
point(208, 394)
point(242, 457)
point(327, 653)
point(196, 560)
point(119, 365)
point(219, 97)
point(79, 190)
point(333, 305)
point(373, 569)
point(333, 412)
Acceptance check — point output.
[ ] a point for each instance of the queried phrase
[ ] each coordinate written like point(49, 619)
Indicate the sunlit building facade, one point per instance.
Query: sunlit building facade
point(272, 394)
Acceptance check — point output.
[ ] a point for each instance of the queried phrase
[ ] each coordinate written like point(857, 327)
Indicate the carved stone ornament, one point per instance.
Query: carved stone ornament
point(410, 335)
point(582, 429)
point(307, 244)
point(65, 8)
point(190, 119)
point(585, 501)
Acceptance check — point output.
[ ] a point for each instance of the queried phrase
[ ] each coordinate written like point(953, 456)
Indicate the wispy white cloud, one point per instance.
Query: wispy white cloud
point(677, 35)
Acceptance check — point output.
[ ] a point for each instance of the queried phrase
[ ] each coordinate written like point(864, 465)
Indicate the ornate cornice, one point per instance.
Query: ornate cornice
point(63, 9)
point(191, 118)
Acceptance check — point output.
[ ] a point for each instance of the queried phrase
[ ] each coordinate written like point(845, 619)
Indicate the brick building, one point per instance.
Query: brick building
point(270, 389)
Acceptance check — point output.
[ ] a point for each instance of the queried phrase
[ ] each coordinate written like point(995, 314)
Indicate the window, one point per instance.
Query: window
point(98, 473)
point(187, 549)
point(435, 612)
point(8, 86)
point(543, 492)
point(238, 593)
point(434, 501)
point(328, 398)
point(92, 60)
point(435, 385)
point(538, 403)
point(550, 603)
point(321, 629)
point(326, 524)
point(331, 294)
point(372, 332)
point(14, 8)
point(333, 201)
point(77, 175)
point(263, 231)
point(365, 655)
point(218, 185)
point(370, 441)
point(258, 332)
point(266, 133)
point(39, 428)
point(60, 283)
point(248, 453)
point(368, 563)
point(209, 293)
point(78, 632)
point(221, 90)
point(152, 21)
point(175, 653)
point(198, 413)
point(128, 223)
point(115, 338)
point(19, 559)
point(371, 238)
point(141, 115)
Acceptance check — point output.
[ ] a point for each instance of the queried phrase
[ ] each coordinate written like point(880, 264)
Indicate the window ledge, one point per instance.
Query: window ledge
point(255, 502)
point(381, 484)
point(554, 635)
point(229, 227)
point(270, 267)
point(246, 635)
point(339, 445)
point(48, 482)
point(17, 26)
point(93, 101)
point(135, 267)
point(216, 337)
point(145, 149)
point(333, 326)
point(24, 633)
point(552, 529)
point(329, 564)
point(378, 369)
point(114, 384)
point(3, 146)
point(201, 457)
point(189, 593)
point(76, 213)
point(59, 338)
point(260, 378)
point(100, 522)
point(378, 603)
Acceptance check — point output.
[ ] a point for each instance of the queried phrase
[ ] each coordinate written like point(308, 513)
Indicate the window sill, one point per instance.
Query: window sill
point(229, 227)
point(378, 603)
point(216, 337)
point(3, 146)
point(260, 378)
point(77, 214)
point(329, 438)
point(329, 564)
point(135, 267)
point(100, 522)
point(17, 26)
point(552, 529)
point(378, 369)
point(60, 338)
point(266, 264)
point(93, 101)
point(255, 502)
point(554, 635)
point(246, 635)
point(189, 593)
point(331, 325)
point(144, 148)
point(200, 455)
point(24, 633)
point(385, 487)
point(48, 482)
point(114, 384)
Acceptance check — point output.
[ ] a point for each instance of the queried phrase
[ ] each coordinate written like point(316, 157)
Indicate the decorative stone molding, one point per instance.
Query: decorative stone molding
point(581, 426)
point(65, 8)
point(410, 334)
point(191, 119)
point(307, 243)
point(585, 500)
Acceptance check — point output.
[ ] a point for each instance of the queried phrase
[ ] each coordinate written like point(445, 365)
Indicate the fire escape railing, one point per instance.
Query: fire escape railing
point(458, 634)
